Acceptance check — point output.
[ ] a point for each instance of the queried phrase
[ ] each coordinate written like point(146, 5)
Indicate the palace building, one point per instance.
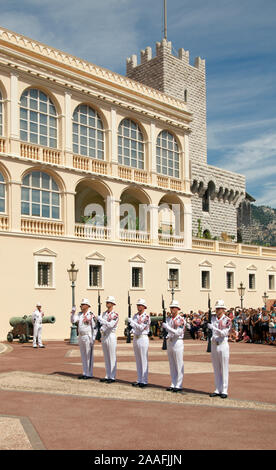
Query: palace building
point(111, 172)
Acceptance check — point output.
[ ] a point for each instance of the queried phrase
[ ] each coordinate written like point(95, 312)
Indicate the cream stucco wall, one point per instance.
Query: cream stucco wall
point(19, 295)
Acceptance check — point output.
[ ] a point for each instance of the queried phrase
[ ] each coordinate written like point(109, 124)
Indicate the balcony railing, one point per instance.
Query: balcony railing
point(134, 236)
point(170, 240)
point(2, 145)
point(42, 227)
point(90, 232)
point(133, 174)
point(44, 154)
point(233, 248)
point(90, 164)
point(4, 222)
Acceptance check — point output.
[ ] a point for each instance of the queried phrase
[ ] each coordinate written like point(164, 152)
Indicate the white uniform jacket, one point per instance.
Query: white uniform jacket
point(175, 327)
point(109, 322)
point(140, 324)
point(220, 328)
point(86, 323)
point(37, 317)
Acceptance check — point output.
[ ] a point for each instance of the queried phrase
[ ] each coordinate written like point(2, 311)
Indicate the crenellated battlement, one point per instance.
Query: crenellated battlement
point(162, 48)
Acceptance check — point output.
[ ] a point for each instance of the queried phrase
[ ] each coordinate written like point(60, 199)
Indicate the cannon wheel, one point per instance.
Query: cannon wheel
point(10, 337)
point(22, 339)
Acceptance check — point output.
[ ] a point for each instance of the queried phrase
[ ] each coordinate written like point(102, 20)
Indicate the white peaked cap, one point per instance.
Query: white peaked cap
point(38, 304)
point(85, 302)
point(111, 299)
point(141, 302)
point(220, 304)
point(175, 303)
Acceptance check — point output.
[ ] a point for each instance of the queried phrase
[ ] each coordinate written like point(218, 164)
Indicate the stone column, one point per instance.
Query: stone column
point(152, 154)
point(68, 146)
point(114, 143)
point(14, 115)
point(186, 167)
point(154, 224)
point(188, 225)
point(14, 205)
point(113, 217)
point(69, 213)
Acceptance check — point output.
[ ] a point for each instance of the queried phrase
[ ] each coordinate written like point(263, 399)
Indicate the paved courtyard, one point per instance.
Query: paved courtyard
point(44, 406)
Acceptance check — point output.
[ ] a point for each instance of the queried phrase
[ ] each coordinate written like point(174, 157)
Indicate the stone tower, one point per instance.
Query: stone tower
point(176, 77)
point(216, 192)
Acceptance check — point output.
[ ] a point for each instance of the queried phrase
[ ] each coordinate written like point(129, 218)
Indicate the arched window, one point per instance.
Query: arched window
point(88, 134)
point(2, 193)
point(167, 155)
point(1, 115)
point(38, 118)
point(40, 196)
point(130, 144)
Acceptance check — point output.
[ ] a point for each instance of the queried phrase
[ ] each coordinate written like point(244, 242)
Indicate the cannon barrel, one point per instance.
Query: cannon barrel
point(14, 321)
point(154, 319)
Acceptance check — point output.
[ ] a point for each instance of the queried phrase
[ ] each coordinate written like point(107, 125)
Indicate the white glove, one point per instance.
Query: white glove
point(210, 326)
point(164, 325)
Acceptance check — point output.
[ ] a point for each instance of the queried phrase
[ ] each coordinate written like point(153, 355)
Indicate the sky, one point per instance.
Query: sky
point(237, 38)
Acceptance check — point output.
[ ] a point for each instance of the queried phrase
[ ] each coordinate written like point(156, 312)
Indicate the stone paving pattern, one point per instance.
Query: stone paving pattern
point(45, 406)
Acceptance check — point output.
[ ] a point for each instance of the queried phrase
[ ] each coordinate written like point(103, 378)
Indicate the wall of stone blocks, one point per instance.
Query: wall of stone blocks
point(173, 75)
point(221, 218)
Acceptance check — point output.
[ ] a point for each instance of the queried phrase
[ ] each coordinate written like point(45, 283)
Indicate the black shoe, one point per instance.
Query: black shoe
point(177, 390)
point(169, 389)
point(135, 384)
point(214, 394)
point(41, 346)
point(223, 395)
point(143, 385)
point(103, 380)
point(81, 377)
point(110, 381)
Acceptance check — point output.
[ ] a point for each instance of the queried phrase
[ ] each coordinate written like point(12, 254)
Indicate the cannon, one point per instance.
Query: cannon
point(23, 327)
point(155, 330)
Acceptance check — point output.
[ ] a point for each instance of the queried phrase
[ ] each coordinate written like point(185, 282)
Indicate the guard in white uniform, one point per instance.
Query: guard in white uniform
point(140, 324)
point(220, 326)
point(109, 322)
point(86, 322)
point(37, 316)
point(175, 326)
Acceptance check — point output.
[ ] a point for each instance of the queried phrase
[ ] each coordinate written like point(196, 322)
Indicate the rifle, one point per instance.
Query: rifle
point(164, 332)
point(98, 337)
point(209, 333)
point(128, 340)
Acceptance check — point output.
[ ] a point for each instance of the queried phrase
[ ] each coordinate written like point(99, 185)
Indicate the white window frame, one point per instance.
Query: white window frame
point(52, 261)
point(207, 269)
point(271, 272)
point(137, 265)
point(94, 262)
point(255, 278)
point(230, 289)
point(177, 268)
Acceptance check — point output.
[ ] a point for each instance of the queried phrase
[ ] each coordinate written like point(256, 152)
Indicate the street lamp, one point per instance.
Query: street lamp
point(172, 283)
point(73, 272)
point(241, 291)
point(265, 297)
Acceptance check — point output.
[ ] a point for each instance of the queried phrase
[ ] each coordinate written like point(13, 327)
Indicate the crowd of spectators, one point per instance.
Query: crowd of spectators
point(248, 325)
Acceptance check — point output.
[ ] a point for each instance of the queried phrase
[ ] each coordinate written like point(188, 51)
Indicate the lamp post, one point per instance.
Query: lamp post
point(172, 283)
point(73, 272)
point(241, 291)
point(265, 297)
